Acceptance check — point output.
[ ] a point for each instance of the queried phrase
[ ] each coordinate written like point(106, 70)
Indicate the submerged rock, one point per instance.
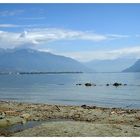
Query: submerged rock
point(107, 84)
point(93, 84)
point(88, 84)
point(78, 84)
point(117, 84)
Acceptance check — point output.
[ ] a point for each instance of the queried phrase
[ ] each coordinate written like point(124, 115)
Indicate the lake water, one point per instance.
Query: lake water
point(62, 89)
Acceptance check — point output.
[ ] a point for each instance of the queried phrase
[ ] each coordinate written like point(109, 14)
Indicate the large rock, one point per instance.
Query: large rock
point(10, 121)
point(88, 84)
point(2, 115)
point(26, 116)
point(117, 84)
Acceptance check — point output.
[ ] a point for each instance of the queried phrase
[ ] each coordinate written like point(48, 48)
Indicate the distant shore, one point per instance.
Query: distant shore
point(62, 120)
point(21, 73)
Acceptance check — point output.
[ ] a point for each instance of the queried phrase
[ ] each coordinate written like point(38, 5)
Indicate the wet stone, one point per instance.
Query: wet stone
point(26, 116)
point(78, 84)
point(117, 84)
point(88, 84)
point(2, 115)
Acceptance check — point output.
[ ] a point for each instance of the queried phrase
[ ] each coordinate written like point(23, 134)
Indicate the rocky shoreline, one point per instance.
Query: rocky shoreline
point(106, 121)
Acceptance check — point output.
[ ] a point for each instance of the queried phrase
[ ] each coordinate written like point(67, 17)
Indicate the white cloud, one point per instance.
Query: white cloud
point(32, 18)
point(36, 37)
point(17, 25)
point(24, 34)
point(54, 34)
point(10, 12)
point(8, 25)
point(115, 36)
point(137, 35)
point(129, 52)
point(12, 40)
point(33, 37)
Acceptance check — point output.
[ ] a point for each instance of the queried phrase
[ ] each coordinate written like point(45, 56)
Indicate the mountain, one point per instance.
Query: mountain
point(29, 60)
point(134, 68)
point(116, 65)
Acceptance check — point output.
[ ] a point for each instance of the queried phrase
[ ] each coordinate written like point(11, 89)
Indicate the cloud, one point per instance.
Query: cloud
point(38, 36)
point(6, 13)
point(23, 26)
point(13, 40)
point(54, 34)
point(8, 25)
point(23, 35)
point(115, 36)
point(128, 52)
point(137, 35)
point(32, 18)
point(63, 34)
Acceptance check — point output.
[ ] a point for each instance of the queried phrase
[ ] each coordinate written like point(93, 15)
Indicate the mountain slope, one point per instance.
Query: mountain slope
point(116, 65)
point(134, 68)
point(31, 60)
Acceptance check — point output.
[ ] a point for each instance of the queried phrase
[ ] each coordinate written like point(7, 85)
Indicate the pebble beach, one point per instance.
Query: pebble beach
point(65, 120)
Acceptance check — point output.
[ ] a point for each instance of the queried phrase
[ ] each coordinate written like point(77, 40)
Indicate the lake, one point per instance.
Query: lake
point(62, 89)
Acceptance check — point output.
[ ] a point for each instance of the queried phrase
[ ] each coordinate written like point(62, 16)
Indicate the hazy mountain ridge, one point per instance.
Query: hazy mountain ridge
point(116, 65)
point(134, 68)
point(32, 60)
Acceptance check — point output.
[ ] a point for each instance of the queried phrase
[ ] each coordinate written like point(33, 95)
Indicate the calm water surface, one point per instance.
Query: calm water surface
point(62, 89)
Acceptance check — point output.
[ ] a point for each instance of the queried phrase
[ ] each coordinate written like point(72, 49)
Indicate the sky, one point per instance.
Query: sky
point(84, 32)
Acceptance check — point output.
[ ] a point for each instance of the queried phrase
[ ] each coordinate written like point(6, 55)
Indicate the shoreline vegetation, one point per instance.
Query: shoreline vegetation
point(66, 120)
